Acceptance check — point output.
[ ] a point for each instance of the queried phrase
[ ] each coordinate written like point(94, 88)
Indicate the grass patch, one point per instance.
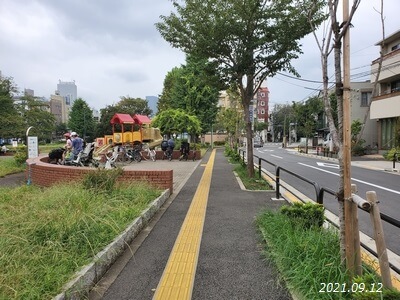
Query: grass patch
point(8, 165)
point(307, 258)
point(255, 183)
point(46, 235)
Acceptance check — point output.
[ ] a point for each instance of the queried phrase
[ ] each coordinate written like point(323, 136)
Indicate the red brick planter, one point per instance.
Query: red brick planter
point(41, 173)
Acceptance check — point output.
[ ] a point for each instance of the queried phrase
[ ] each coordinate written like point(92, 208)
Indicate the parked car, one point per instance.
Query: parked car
point(327, 140)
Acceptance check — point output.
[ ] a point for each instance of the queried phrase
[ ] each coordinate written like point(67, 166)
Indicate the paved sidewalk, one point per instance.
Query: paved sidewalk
point(230, 263)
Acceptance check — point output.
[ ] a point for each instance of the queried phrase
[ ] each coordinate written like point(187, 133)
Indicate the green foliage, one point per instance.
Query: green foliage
point(194, 88)
point(8, 165)
point(370, 281)
point(47, 235)
point(248, 40)
point(176, 121)
point(81, 120)
point(11, 123)
point(307, 258)
point(308, 214)
point(101, 180)
point(126, 105)
point(389, 155)
point(21, 155)
point(233, 154)
point(307, 116)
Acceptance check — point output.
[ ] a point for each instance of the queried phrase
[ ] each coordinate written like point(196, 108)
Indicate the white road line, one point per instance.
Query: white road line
point(354, 179)
point(277, 156)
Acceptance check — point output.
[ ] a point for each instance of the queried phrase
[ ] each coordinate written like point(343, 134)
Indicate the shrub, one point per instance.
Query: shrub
point(21, 155)
point(390, 154)
point(308, 214)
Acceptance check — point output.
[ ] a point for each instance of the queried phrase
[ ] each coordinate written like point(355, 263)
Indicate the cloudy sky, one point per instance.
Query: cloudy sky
point(112, 49)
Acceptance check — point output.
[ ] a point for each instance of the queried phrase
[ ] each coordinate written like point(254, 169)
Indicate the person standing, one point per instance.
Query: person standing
point(77, 144)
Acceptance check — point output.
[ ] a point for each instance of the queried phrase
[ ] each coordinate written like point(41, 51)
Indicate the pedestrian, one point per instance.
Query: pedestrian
point(77, 144)
point(67, 148)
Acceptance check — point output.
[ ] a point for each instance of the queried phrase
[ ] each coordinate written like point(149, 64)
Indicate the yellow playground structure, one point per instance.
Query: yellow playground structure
point(130, 130)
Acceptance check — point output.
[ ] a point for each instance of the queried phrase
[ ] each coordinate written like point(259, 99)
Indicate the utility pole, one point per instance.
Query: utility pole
point(353, 257)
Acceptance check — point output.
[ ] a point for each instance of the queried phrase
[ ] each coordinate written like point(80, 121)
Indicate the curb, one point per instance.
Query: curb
point(89, 275)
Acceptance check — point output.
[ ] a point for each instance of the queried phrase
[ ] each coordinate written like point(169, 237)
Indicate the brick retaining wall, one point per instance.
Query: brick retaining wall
point(41, 173)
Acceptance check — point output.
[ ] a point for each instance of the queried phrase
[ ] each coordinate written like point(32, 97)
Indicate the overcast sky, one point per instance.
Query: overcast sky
point(112, 49)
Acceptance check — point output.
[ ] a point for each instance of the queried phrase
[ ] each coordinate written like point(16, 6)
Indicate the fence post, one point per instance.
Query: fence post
point(379, 240)
point(277, 171)
point(356, 233)
point(259, 167)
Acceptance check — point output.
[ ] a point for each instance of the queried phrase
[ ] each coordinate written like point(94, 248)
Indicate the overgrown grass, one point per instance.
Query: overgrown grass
point(46, 235)
point(308, 258)
point(8, 165)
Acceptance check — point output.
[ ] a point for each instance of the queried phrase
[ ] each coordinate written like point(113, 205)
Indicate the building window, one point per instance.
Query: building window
point(262, 112)
point(395, 47)
point(365, 98)
point(395, 86)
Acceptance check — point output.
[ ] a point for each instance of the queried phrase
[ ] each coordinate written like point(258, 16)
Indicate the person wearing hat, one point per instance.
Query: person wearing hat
point(77, 144)
point(67, 154)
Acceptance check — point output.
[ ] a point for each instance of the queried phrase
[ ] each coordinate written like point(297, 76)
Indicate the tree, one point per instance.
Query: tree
point(193, 87)
point(81, 120)
point(306, 115)
point(177, 121)
point(11, 123)
point(35, 113)
point(248, 40)
point(281, 117)
point(126, 105)
point(134, 106)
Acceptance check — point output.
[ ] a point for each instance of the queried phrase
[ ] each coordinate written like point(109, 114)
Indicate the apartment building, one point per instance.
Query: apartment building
point(385, 105)
point(262, 104)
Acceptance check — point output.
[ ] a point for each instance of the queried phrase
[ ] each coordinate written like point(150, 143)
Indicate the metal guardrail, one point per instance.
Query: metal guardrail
point(319, 192)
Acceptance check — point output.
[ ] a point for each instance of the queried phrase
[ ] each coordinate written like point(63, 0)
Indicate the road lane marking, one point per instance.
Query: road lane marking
point(322, 164)
point(354, 179)
point(280, 157)
point(178, 277)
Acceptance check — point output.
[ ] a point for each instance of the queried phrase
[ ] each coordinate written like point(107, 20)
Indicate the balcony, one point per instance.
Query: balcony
point(386, 105)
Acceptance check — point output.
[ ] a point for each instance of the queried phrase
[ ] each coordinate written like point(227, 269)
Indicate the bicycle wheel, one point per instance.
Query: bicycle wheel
point(137, 157)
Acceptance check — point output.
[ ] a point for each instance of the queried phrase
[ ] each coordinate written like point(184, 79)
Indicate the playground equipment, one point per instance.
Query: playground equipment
point(130, 130)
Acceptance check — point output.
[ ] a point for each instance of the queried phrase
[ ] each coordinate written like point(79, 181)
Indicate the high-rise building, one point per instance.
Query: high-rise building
point(152, 102)
point(68, 91)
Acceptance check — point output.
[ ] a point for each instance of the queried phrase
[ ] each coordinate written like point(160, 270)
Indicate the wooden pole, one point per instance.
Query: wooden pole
point(379, 240)
point(356, 233)
point(349, 206)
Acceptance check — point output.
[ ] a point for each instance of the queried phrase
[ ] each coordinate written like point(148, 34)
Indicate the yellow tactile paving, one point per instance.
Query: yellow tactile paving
point(178, 277)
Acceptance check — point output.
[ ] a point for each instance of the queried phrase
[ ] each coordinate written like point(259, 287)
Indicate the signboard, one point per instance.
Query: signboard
point(33, 147)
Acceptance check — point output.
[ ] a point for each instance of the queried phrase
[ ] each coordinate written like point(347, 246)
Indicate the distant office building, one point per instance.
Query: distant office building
point(152, 101)
point(58, 108)
point(68, 91)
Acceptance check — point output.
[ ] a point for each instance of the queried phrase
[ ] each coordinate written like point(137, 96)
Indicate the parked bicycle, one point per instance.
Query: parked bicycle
point(134, 154)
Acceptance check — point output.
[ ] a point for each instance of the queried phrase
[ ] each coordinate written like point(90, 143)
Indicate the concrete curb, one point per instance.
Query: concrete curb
point(89, 275)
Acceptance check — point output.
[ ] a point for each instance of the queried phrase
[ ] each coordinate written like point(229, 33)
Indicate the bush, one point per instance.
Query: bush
point(308, 214)
point(21, 155)
point(390, 154)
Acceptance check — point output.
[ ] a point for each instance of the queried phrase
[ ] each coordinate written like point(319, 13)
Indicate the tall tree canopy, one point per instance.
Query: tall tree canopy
point(126, 105)
point(81, 119)
point(194, 88)
point(249, 40)
point(10, 119)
